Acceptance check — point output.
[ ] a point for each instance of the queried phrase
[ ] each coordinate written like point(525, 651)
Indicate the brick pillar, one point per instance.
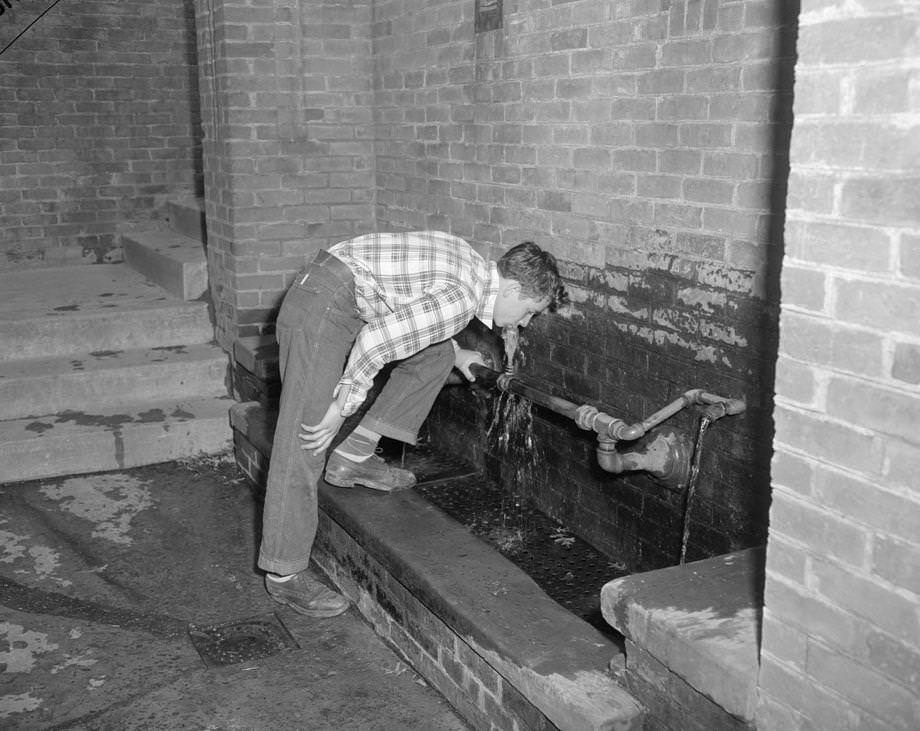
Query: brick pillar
point(841, 636)
point(288, 144)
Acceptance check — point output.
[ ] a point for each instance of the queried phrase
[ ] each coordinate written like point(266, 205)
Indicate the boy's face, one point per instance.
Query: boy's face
point(513, 308)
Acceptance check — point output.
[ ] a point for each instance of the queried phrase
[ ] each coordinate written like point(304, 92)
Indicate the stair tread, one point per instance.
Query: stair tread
point(45, 385)
point(68, 311)
point(29, 368)
point(83, 291)
point(109, 418)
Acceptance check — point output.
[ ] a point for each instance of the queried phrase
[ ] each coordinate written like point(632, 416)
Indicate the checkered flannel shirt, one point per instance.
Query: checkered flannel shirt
point(412, 290)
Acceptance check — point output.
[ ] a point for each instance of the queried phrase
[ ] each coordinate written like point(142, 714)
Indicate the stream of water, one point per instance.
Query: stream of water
point(705, 421)
point(511, 337)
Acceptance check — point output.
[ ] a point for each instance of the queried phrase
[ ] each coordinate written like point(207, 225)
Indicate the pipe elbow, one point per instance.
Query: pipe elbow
point(609, 427)
point(693, 396)
point(630, 432)
point(611, 460)
point(608, 459)
point(735, 406)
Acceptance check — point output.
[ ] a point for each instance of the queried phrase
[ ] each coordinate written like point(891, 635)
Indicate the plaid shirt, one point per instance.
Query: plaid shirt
point(412, 290)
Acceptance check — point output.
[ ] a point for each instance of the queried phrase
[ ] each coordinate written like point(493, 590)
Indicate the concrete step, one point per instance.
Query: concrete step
point(39, 386)
point(101, 369)
point(115, 437)
point(72, 310)
point(185, 213)
point(692, 636)
point(175, 262)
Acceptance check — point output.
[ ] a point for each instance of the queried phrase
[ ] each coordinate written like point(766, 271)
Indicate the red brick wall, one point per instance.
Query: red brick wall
point(645, 145)
point(841, 639)
point(98, 104)
point(288, 112)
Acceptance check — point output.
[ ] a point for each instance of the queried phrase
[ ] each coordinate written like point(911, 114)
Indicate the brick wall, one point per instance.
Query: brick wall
point(98, 104)
point(644, 143)
point(841, 641)
point(287, 109)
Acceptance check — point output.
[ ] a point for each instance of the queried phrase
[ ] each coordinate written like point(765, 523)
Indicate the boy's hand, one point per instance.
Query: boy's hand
point(318, 437)
point(463, 359)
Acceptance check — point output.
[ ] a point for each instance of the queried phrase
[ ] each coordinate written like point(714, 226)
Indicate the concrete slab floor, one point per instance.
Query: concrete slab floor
point(101, 576)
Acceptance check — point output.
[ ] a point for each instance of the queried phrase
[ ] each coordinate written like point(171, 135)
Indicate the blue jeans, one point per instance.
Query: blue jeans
point(316, 328)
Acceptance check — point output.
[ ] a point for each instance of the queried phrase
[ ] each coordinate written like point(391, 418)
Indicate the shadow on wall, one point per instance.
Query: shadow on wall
point(194, 98)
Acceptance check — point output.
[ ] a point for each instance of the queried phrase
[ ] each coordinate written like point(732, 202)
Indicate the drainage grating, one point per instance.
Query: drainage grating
point(428, 466)
point(240, 641)
point(567, 568)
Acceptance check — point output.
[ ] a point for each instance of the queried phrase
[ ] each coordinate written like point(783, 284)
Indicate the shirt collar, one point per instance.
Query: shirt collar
point(489, 295)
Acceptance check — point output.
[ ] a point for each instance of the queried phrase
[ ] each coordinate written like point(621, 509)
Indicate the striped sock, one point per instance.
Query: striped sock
point(359, 445)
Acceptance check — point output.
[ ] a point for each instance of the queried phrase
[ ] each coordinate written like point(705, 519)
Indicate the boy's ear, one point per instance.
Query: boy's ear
point(511, 288)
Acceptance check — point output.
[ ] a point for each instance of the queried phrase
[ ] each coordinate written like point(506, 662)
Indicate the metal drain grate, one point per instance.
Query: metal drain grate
point(242, 640)
point(567, 568)
point(428, 466)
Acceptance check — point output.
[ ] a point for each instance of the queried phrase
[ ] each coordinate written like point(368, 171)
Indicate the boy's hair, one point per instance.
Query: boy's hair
point(535, 270)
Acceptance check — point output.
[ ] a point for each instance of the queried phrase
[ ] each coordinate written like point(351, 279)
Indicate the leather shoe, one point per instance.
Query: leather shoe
point(372, 472)
point(306, 596)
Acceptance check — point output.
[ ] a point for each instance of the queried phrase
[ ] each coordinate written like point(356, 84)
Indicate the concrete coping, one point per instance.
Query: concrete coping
point(701, 620)
point(258, 354)
point(555, 659)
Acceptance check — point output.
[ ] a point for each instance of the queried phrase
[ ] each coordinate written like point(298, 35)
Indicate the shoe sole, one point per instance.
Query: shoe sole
point(317, 613)
point(378, 486)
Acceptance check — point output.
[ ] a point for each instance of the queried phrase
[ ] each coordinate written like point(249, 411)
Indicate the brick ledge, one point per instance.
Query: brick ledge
point(700, 620)
point(555, 660)
point(510, 651)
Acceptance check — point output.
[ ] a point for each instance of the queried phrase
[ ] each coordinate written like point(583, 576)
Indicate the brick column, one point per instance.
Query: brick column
point(841, 638)
point(288, 148)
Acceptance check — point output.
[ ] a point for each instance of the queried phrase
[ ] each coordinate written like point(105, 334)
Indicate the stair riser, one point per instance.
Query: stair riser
point(79, 391)
point(131, 445)
point(120, 330)
point(185, 280)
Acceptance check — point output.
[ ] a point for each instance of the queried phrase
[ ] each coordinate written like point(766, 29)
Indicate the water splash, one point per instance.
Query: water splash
point(510, 437)
point(705, 421)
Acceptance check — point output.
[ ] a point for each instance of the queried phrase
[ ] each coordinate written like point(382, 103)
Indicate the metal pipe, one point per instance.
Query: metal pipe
point(588, 417)
point(514, 384)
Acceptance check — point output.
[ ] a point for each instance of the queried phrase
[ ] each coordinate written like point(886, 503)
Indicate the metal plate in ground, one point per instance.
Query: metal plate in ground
point(240, 641)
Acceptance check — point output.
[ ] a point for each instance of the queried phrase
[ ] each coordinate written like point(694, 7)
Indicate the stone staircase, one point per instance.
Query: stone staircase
point(113, 365)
